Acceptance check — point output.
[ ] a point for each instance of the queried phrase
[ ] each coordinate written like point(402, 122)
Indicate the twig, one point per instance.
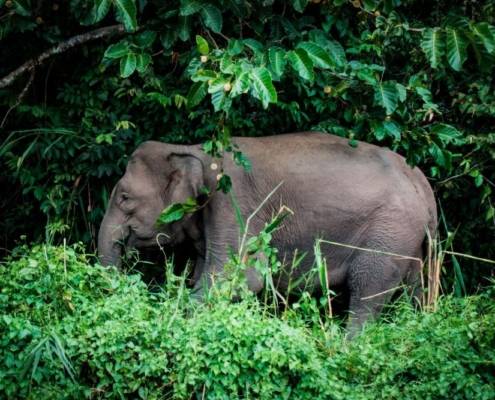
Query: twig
point(385, 253)
point(454, 253)
point(213, 40)
point(19, 98)
point(382, 293)
point(60, 48)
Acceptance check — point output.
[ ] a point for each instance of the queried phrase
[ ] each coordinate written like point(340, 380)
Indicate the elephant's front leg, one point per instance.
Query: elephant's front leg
point(214, 270)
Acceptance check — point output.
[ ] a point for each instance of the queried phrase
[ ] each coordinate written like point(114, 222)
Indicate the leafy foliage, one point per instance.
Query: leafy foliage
point(75, 330)
point(415, 77)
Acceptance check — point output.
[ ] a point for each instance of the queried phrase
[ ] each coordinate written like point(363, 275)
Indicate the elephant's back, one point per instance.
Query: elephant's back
point(323, 173)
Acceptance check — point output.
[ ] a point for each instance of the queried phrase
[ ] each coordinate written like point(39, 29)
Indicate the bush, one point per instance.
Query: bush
point(70, 329)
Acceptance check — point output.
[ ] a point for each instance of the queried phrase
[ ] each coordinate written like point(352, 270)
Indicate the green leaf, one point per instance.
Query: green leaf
point(204, 75)
point(168, 38)
point(212, 17)
point(227, 66)
point(145, 39)
point(98, 11)
point(220, 101)
point(196, 93)
point(241, 84)
point(234, 47)
point(402, 91)
point(447, 134)
point(433, 46)
point(190, 7)
point(22, 7)
point(442, 158)
point(142, 62)
point(254, 45)
point(386, 94)
point(263, 86)
point(337, 52)
point(319, 56)
point(127, 65)
point(176, 211)
point(486, 33)
point(301, 63)
point(172, 213)
point(127, 10)
point(184, 28)
point(456, 48)
point(241, 160)
point(224, 184)
point(276, 56)
point(392, 129)
point(216, 84)
point(202, 45)
point(299, 5)
point(117, 50)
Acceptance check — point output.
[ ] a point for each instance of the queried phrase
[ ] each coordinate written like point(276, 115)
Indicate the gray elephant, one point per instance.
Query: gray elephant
point(364, 196)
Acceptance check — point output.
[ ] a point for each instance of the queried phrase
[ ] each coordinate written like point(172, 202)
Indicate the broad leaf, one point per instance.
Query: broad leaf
point(216, 85)
point(117, 50)
point(184, 28)
point(301, 63)
point(447, 134)
point(337, 52)
point(145, 39)
point(456, 48)
point(127, 10)
point(433, 46)
point(387, 95)
point(168, 38)
point(202, 45)
point(22, 7)
point(190, 7)
point(486, 33)
point(196, 93)
point(299, 5)
point(128, 65)
point(98, 11)
point(235, 47)
point(142, 62)
point(263, 86)
point(241, 84)
point(276, 56)
point(220, 101)
point(402, 91)
point(212, 17)
point(254, 45)
point(172, 213)
point(204, 75)
point(319, 56)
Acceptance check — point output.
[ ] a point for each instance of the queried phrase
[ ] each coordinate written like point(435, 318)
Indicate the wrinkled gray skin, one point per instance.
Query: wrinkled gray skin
point(365, 196)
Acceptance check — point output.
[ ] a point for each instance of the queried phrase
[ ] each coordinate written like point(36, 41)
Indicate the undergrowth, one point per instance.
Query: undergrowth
point(70, 329)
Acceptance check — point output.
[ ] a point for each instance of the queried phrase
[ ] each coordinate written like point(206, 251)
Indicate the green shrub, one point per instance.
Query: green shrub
point(69, 329)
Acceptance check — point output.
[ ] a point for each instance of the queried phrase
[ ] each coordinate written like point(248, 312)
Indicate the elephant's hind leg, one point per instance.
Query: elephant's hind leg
point(372, 280)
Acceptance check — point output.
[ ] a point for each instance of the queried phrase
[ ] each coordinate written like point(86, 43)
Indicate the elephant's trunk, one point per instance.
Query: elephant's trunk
point(111, 239)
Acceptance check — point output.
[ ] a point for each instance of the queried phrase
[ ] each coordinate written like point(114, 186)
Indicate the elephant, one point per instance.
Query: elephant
point(363, 196)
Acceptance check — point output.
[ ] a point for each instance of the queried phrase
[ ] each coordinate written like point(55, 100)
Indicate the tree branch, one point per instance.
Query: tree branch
point(60, 48)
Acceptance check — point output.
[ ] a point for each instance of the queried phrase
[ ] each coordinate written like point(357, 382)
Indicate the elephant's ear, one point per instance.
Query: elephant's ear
point(186, 178)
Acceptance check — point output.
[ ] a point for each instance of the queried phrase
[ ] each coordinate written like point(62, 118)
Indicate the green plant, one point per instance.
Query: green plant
point(75, 330)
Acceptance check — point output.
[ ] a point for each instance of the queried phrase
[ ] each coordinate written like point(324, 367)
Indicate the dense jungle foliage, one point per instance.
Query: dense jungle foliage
point(75, 330)
point(83, 82)
point(99, 77)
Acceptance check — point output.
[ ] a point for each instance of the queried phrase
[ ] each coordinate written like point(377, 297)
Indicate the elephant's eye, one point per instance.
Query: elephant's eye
point(124, 197)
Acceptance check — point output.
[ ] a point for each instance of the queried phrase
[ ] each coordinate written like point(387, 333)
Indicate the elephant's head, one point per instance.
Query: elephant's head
point(156, 176)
